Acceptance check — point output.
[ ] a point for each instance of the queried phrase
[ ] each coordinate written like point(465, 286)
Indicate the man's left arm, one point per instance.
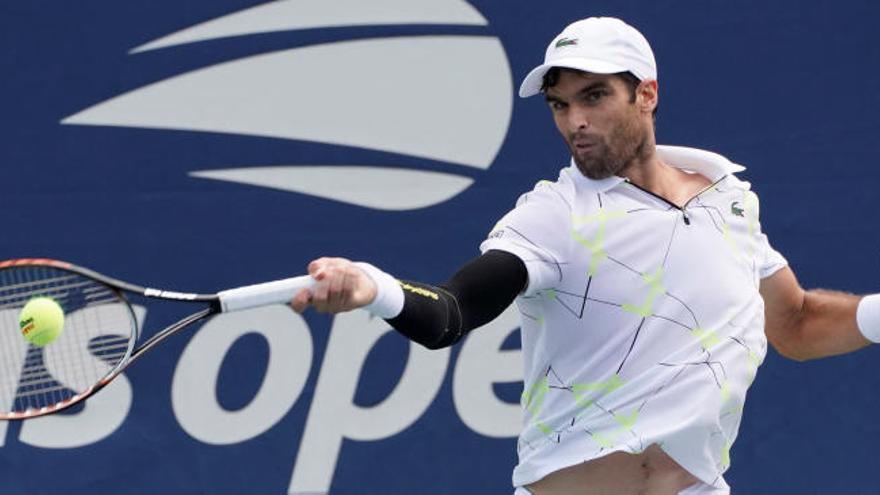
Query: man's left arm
point(810, 324)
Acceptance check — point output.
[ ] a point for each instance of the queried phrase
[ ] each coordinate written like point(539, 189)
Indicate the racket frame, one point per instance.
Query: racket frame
point(120, 288)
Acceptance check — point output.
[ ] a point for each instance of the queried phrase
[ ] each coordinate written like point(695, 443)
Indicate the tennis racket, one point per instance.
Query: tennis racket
point(100, 335)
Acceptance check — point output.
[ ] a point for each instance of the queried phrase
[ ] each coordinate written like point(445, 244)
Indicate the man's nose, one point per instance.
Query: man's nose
point(578, 118)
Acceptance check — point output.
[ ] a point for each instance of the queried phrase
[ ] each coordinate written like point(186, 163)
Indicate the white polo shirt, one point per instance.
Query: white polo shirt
point(641, 322)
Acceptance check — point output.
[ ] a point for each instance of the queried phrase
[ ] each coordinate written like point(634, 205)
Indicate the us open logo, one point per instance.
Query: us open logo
point(445, 98)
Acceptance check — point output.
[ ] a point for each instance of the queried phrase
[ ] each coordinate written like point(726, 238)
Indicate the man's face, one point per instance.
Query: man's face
point(599, 122)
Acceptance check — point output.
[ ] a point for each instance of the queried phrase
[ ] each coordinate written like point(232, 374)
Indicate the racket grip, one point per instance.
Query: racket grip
point(253, 296)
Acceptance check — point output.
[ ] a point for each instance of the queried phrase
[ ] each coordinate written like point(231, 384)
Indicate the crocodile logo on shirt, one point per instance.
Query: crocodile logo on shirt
point(736, 210)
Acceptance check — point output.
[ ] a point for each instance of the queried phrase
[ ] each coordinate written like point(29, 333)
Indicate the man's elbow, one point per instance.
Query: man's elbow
point(790, 344)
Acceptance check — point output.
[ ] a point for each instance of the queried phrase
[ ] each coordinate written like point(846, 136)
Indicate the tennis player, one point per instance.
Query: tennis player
point(647, 290)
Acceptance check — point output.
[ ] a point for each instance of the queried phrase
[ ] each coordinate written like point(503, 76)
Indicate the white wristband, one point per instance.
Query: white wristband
point(389, 295)
point(868, 317)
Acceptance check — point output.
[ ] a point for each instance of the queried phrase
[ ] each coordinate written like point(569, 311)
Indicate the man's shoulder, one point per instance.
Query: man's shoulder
point(560, 192)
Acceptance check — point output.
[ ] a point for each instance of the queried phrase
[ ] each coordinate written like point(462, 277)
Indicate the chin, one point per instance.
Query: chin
point(593, 172)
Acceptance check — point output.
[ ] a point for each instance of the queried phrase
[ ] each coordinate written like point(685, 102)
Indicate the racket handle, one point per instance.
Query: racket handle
point(253, 296)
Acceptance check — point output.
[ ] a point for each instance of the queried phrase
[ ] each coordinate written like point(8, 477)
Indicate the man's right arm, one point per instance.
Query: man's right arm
point(434, 316)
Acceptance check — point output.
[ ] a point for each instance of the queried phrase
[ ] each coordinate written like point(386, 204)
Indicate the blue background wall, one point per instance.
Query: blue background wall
point(789, 89)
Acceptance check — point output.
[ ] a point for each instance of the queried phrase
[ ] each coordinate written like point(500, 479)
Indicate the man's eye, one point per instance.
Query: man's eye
point(557, 105)
point(595, 95)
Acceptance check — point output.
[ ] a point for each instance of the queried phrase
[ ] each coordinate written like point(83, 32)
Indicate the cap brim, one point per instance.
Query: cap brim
point(531, 85)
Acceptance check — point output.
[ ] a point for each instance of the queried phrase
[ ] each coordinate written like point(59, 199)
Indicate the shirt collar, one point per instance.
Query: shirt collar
point(712, 165)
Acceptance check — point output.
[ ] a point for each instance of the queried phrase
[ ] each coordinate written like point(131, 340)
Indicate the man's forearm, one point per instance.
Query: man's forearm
point(438, 317)
point(826, 326)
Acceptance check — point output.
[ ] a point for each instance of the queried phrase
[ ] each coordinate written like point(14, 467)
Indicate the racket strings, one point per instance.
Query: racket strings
point(24, 292)
point(97, 336)
point(42, 384)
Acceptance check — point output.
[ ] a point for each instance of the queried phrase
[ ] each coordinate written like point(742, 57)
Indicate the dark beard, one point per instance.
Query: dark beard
point(625, 144)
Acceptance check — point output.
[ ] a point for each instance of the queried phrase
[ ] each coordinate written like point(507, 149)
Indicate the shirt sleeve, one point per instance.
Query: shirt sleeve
point(769, 259)
point(537, 231)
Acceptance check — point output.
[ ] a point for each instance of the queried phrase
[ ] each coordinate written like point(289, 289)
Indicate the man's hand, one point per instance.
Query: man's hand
point(341, 286)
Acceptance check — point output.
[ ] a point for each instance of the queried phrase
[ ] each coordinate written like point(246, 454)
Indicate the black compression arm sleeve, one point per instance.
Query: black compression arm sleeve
point(438, 317)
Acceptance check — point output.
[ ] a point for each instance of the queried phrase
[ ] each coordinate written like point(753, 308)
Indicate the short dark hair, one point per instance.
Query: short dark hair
point(551, 77)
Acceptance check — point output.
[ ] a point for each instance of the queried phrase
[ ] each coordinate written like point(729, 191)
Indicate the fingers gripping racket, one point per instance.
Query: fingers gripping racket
point(99, 336)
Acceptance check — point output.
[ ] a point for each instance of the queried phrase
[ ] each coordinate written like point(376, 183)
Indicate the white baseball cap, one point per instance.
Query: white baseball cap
point(600, 45)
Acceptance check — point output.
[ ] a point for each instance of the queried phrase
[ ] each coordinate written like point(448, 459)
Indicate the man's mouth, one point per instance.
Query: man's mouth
point(584, 145)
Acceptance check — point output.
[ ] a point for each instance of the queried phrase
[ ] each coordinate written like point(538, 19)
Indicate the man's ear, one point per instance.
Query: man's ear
point(647, 96)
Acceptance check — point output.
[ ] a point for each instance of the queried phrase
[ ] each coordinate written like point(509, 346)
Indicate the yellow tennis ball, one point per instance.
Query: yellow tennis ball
point(41, 320)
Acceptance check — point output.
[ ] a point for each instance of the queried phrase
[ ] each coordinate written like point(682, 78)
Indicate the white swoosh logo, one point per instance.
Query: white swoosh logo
point(443, 98)
point(288, 15)
point(380, 188)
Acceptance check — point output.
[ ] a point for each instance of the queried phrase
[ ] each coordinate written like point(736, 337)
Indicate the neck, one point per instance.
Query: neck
point(653, 174)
